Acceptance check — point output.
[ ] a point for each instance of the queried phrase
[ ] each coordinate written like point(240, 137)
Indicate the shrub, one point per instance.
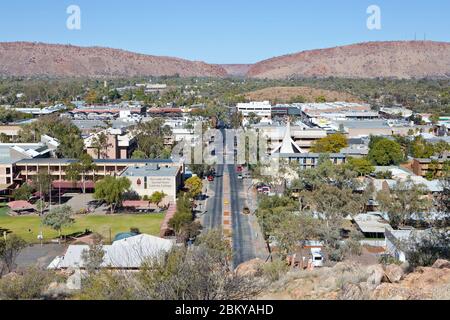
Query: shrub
point(274, 270)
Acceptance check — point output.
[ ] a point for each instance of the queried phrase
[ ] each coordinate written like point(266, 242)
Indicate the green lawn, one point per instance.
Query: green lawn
point(3, 210)
point(149, 224)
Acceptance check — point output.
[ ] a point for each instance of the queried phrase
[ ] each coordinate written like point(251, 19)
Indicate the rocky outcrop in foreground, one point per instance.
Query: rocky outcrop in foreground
point(349, 281)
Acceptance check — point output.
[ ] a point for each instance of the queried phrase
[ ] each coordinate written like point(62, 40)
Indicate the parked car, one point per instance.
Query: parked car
point(264, 189)
point(246, 211)
point(240, 176)
point(211, 178)
point(317, 257)
point(239, 169)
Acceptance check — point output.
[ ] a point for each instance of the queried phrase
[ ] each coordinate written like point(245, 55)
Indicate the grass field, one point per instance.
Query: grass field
point(3, 210)
point(21, 226)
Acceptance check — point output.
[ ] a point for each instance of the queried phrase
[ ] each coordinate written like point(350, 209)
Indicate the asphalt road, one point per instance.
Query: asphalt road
point(242, 238)
point(213, 216)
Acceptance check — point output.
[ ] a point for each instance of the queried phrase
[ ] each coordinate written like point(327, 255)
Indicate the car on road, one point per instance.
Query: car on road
point(247, 175)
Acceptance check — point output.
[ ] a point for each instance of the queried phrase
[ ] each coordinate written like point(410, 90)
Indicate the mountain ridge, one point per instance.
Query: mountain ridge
point(379, 59)
point(63, 60)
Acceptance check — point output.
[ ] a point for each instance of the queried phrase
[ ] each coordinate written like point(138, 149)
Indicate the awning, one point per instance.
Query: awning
point(73, 185)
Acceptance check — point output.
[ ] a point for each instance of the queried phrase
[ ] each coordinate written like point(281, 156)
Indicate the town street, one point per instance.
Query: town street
point(242, 236)
point(214, 207)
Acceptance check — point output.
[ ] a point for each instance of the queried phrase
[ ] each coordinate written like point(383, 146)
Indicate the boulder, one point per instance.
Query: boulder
point(57, 290)
point(352, 291)
point(250, 268)
point(393, 273)
point(441, 264)
point(376, 274)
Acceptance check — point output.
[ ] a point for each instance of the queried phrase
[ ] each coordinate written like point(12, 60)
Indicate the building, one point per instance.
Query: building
point(312, 113)
point(397, 241)
point(372, 224)
point(25, 170)
point(262, 109)
point(422, 167)
point(396, 113)
point(302, 136)
point(37, 112)
point(126, 254)
point(10, 131)
point(310, 160)
point(88, 127)
point(11, 153)
point(151, 178)
point(119, 144)
point(105, 112)
point(289, 151)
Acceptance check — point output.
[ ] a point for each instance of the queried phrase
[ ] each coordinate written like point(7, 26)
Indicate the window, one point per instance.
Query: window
point(8, 170)
point(8, 180)
point(145, 182)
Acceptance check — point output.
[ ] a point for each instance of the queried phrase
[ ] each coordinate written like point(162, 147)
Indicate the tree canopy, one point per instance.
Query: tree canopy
point(111, 190)
point(330, 144)
point(59, 218)
point(385, 152)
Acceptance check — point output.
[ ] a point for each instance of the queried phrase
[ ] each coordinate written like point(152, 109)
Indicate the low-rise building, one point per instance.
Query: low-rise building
point(11, 153)
point(10, 131)
point(315, 112)
point(25, 170)
point(37, 112)
point(106, 112)
point(398, 241)
point(262, 109)
point(396, 113)
point(372, 224)
point(302, 135)
point(151, 178)
point(126, 254)
point(422, 167)
point(119, 144)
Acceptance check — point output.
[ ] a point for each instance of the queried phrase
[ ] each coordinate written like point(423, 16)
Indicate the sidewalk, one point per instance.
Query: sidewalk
point(251, 200)
point(207, 192)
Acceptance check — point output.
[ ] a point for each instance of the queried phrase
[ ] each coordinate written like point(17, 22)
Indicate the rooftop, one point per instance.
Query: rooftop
point(371, 223)
point(150, 171)
point(128, 253)
point(97, 161)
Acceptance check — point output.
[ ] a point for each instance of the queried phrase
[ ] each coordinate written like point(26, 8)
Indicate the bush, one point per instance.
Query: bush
point(29, 286)
point(274, 270)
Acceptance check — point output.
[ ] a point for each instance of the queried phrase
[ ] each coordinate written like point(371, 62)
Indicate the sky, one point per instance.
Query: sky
point(222, 31)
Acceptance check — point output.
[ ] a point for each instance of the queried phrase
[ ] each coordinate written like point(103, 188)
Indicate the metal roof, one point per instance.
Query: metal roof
point(128, 253)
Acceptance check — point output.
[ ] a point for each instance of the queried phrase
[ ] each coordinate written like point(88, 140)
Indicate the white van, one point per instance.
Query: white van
point(317, 257)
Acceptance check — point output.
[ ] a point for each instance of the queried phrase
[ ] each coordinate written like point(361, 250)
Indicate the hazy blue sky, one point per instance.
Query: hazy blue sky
point(222, 31)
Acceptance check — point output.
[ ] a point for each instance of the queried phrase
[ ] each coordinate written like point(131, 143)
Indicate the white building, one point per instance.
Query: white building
point(151, 178)
point(261, 109)
point(125, 254)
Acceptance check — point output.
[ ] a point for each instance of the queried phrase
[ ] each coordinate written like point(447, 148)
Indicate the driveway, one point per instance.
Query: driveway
point(40, 256)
